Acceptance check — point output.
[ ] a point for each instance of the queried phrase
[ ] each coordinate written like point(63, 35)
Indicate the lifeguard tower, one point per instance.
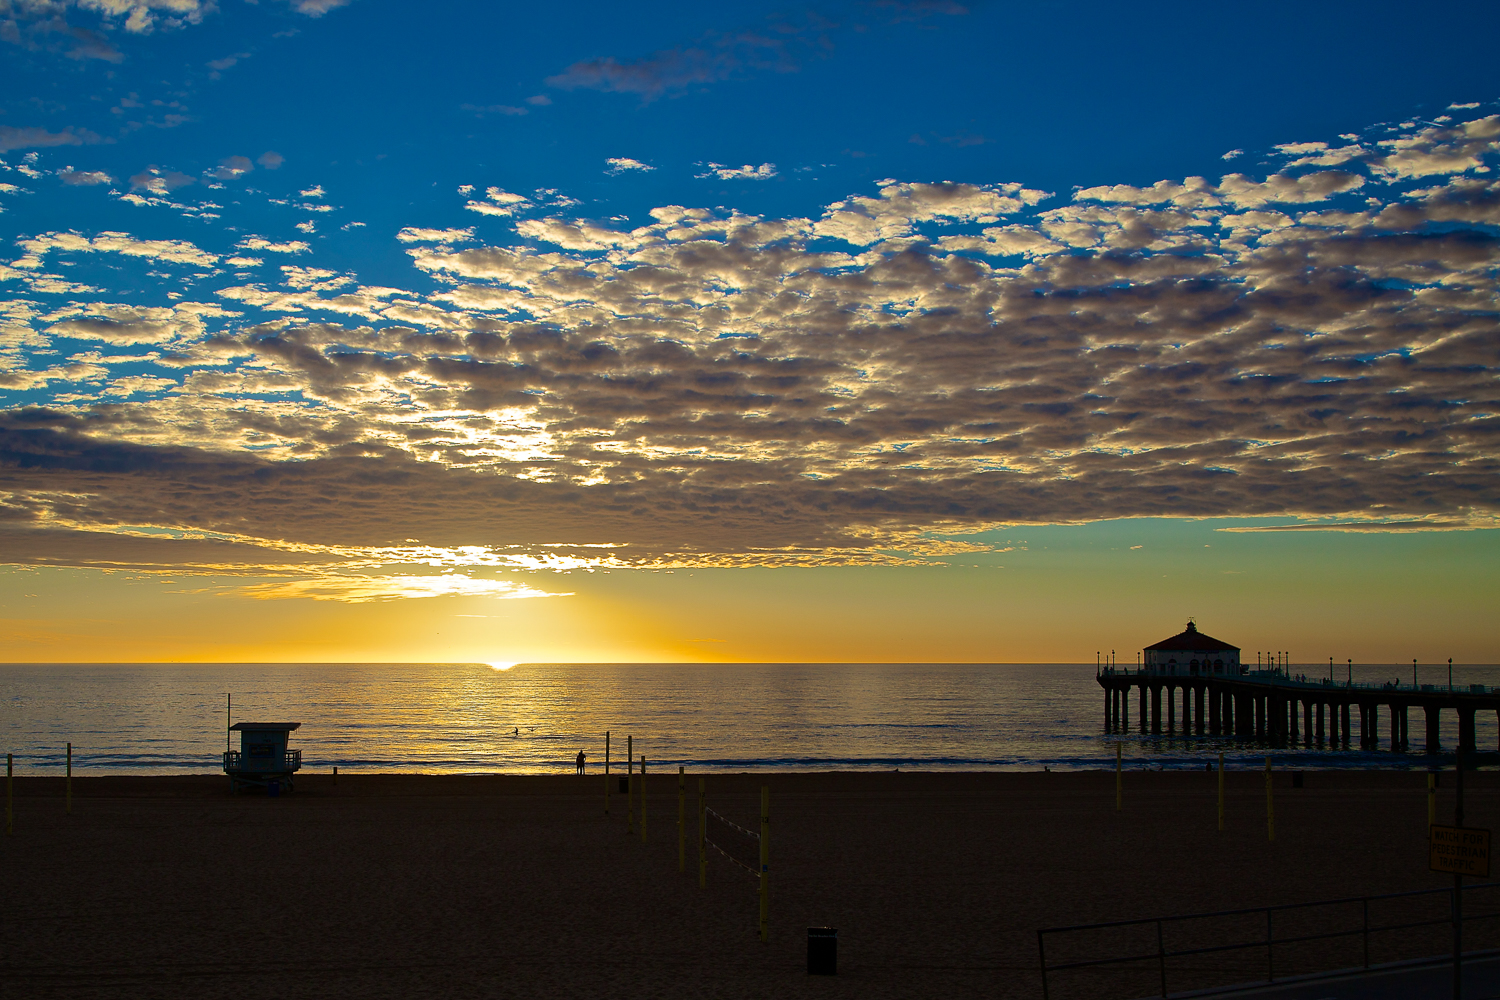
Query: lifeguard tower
point(262, 757)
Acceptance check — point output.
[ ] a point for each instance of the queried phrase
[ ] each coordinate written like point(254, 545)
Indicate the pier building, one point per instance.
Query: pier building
point(1219, 696)
point(1191, 652)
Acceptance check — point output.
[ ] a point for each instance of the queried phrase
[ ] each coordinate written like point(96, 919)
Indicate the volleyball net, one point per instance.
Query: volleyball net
point(743, 846)
point(738, 842)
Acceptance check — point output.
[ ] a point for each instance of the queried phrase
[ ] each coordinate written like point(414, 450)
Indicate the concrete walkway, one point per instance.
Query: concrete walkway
point(1426, 982)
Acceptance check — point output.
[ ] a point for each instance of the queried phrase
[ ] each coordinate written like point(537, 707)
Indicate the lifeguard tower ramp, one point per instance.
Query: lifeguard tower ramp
point(263, 756)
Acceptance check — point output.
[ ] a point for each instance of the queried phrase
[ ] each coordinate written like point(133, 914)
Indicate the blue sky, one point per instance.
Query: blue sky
point(365, 302)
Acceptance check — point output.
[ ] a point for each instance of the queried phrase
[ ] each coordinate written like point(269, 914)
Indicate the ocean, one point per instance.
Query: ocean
point(169, 718)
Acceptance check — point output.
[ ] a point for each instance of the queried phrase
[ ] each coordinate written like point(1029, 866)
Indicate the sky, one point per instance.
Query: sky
point(912, 331)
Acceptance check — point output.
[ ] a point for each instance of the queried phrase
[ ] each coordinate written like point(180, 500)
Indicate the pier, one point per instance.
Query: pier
point(1194, 684)
point(1288, 709)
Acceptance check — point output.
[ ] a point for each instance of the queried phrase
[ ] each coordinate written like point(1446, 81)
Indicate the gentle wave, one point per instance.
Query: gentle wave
point(469, 718)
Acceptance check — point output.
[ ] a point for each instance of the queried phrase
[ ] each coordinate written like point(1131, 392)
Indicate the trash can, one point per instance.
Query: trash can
point(822, 951)
point(273, 788)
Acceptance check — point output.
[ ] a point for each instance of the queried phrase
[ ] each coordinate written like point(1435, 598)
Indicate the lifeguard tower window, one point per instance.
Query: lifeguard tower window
point(263, 756)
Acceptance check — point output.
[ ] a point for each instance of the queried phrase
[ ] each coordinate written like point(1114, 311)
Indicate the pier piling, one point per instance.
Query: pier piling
point(1268, 705)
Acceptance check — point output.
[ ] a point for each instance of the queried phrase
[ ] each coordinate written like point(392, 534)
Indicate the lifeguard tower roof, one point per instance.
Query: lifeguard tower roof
point(264, 727)
point(1191, 639)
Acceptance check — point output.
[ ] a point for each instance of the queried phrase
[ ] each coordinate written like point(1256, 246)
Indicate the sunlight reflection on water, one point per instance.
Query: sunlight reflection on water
point(466, 718)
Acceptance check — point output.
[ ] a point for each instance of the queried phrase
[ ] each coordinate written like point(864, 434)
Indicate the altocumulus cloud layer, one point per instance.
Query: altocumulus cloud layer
point(868, 384)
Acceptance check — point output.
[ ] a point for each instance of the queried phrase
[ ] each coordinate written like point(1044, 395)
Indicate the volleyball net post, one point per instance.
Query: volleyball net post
point(643, 798)
point(681, 818)
point(68, 792)
point(629, 784)
point(606, 772)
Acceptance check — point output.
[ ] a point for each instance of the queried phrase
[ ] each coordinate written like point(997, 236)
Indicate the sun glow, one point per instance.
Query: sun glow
point(500, 665)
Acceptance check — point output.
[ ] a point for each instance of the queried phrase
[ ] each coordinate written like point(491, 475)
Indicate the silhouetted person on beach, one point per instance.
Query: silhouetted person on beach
point(581, 759)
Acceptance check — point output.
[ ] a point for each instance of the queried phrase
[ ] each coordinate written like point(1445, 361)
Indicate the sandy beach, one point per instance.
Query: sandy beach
point(428, 886)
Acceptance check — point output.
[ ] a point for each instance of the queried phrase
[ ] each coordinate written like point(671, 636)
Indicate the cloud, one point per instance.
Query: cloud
point(539, 100)
point(313, 192)
point(623, 164)
point(1376, 526)
point(873, 385)
point(79, 178)
point(900, 206)
point(270, 160)
point(413, 234)
point(262, 244)
point(33, 138)
point(746, 173)
point(716, 57)
point(501, 203)
point(141, 16)
point(218, 66)
point(156, 181)
point(1242, 192)
point(364, 589)
point(163, 251)
point(124, 324)
point(231, 168)
point(494, 109)
point(91, 45)
point(317, 8)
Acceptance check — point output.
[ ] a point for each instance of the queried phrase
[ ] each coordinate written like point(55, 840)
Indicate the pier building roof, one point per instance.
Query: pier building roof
point(1191, 639)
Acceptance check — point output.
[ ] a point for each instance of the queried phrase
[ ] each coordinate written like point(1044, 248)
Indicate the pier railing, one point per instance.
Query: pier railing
point(1297, 941)
point(1304, 682)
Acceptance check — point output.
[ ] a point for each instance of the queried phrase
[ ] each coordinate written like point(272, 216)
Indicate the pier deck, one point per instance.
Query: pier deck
point(1289, 709)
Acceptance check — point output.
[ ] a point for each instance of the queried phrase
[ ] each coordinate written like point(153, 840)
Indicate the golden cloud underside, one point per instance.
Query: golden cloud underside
point(723, 389)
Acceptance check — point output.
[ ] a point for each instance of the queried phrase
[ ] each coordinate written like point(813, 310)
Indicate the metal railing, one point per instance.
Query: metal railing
point(291, 761)
point(1161, 954)
point(1280, 679)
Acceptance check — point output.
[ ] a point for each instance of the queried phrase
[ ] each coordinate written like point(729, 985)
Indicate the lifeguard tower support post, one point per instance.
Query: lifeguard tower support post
point(262, 757)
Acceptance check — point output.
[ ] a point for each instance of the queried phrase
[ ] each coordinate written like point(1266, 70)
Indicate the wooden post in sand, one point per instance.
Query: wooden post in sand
point(643, 798)
point(681, 819)
point(702, 837)
point(68, 787)
point(630, 784)
point(765, 863)
point(1431, 798)
point(1270, 805)
point(1221, 790)
point(9, 794)
point(1119, 791)
point(606, 772)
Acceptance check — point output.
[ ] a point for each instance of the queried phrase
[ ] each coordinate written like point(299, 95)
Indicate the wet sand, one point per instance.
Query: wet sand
point(437, 886)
